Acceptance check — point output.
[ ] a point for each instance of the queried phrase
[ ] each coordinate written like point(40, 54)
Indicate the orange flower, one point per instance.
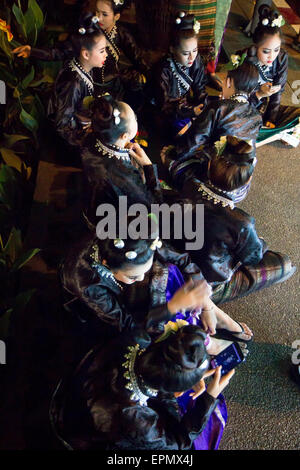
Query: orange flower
point(6, 28)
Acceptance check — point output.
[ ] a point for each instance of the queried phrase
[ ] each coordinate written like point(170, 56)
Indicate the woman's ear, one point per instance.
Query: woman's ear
point(117, 17)
point(125, 137)
point(85, 54)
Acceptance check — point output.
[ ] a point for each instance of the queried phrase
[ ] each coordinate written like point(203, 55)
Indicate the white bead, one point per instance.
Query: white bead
point(265, 21)
point(181, 14)
point(178, 20)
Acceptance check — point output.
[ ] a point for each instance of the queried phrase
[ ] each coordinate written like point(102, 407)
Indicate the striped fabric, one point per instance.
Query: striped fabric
point(247, 279)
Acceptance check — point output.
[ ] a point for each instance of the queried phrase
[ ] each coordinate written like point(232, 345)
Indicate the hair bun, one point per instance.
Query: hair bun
point(186, 349)
point(184, 21)
point(88, 24)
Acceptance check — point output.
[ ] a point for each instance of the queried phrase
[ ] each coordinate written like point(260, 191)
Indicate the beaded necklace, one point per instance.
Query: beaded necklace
point(240, 97)
point(113, 151)
point(102, 270)
point(113, 48)
point(183, 82)
point(75, 66)
point(211, 196)
point(262, 69)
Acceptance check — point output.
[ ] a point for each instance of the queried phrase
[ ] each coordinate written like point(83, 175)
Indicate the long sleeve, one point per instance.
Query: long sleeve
point(250, 248)
point(183, 261)
point(280, 78)
point(108, 309)
point(159, 425)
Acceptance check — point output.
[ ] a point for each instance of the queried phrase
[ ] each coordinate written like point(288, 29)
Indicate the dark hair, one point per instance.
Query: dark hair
point(103, 119)
point(234, 168)
point(245, 77)
point(265, 12)
point(90, 6)
point(77, 272)
point(173, 365)
point(86, 40)
point(183, 30)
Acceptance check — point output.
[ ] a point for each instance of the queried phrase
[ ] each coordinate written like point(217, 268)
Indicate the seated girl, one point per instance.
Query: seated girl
point(75, 81)
point(121, 396)
point(128, 284)
point(112, 165)
point(234, 260)
point(124, 67)
point(272, 64)
point(233, 115)
point(177, 82)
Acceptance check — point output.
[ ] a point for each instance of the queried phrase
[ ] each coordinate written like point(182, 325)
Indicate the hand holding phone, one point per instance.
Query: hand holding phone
point(229, 358)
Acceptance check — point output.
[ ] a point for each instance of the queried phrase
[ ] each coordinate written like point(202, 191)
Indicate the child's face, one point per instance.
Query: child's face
point(186, 52)
point(106, 15)
point(133, 273)
point(269, 50)
point(97, 56)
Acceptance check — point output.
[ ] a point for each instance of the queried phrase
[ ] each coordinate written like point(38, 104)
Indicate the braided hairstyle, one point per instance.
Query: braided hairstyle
point(88, 30)
point(173, 365)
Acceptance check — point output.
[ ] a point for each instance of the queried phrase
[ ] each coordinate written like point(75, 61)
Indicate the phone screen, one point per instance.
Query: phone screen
point(229, 358)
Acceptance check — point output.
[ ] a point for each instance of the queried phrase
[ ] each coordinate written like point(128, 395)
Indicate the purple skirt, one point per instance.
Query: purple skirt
point(211, 436)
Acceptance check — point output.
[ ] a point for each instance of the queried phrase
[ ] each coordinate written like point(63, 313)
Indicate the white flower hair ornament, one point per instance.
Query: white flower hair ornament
point(82, 31)
point(157, 243)
point(196, 27)
point(116, 114)
point(278, 22)
point(118, 2)
point(131, 255)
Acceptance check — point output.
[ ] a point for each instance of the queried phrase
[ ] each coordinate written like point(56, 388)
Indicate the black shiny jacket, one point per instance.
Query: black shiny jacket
point(163, 89)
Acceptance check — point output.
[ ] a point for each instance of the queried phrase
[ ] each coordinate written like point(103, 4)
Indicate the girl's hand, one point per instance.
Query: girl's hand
point(218, 383)
point(140, 156)
point(199, 388)
point(267, 90)
point(209, 320)
point(189, 296)
point(22, 51)
point(198, 109)
point(270, 125)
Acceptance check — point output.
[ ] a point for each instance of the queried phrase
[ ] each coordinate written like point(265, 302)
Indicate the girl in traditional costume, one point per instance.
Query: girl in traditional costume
point(232, 115)
point(112, 165)
point(123, 74)
point(121, 396)
point(233, 259)
point(127, 284)
point(75, 81)
point(177, 82)
point(272, 64)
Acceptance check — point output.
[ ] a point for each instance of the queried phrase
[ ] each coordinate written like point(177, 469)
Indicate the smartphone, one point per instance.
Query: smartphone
point(228, 359)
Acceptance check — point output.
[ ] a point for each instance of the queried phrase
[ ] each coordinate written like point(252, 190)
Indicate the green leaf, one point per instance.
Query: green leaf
point(4, 323)
point(30, 26)
point(38, 14)
point(23, 259)
point(13, 246)
point(28, 79)
point(11, 159)
point(20, 19)
point(11, 139)
point(29, 122)
point(37, 110)
point(44, 79)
